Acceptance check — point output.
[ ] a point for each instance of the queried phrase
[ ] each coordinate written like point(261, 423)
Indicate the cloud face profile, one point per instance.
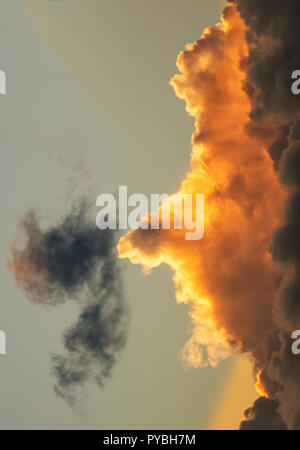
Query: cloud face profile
point(74, 261)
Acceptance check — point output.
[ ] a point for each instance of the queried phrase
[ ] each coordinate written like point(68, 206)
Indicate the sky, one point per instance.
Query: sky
point(88, 108)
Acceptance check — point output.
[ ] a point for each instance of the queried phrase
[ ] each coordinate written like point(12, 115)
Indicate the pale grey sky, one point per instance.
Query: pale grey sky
point(88, 108)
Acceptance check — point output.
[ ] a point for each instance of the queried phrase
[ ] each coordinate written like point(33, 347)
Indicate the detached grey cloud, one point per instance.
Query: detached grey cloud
point(74, 261)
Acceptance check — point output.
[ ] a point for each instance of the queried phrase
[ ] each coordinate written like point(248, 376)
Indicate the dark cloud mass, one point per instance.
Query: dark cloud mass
point(273, 35)
point(273, 32)
point(75, 261)
point(263, 416)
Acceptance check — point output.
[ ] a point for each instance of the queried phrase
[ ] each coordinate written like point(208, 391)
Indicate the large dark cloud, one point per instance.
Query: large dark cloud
point(273, 32)
point(74, 260)
point(273, 35)
point(263, 416)
point(284, 367)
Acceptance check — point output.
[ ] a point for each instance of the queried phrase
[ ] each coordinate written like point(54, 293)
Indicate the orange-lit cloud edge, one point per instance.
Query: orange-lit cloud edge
point(227, 279)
